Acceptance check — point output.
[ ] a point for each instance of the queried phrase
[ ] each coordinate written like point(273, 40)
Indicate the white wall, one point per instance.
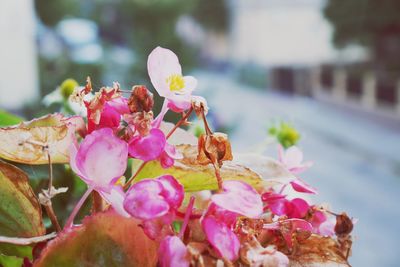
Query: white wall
point(18, 66)
point(280, 32)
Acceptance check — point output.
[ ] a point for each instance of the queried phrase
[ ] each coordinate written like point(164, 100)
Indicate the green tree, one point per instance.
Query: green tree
point(374, 24)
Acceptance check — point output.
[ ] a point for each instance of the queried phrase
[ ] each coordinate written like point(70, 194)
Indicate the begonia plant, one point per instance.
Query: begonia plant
point(157, 202)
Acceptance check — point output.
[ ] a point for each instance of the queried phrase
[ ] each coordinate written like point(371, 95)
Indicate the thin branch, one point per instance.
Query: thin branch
point(26, 241)
point(206, 126)
point(47, 199)
point(130, 180)
point(180, 122)
point(218, 175)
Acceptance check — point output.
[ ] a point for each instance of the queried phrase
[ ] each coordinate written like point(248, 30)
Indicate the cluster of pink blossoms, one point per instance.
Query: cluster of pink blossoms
point(236, 215)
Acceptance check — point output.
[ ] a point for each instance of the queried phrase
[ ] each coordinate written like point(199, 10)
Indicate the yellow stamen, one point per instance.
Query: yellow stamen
point(176, 82)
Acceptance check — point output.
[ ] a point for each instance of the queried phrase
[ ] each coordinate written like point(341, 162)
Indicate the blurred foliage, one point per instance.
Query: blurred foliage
point(213, 15)
point(8, 119)
point(374, 24)
point(51, 12)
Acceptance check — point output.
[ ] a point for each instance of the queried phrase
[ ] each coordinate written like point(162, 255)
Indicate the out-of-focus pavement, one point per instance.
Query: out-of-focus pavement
point(356, 159)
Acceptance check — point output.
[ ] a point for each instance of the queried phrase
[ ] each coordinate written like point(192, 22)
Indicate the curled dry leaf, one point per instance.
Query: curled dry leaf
point(196, 177)
point(104, 239)
point(214, 148)
point(30, 142)
point(20, 212)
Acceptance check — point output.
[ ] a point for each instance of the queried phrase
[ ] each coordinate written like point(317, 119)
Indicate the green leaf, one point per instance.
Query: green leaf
point(24, 143)
point(104, 239)
point(20, 211)
point(8, 119)
point(10, 261)
point(255, 170)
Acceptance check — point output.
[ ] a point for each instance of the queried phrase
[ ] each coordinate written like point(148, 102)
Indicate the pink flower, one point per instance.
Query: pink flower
point(166, 76)
point(100, 159)
point(173, 253)
point(240, 198)
point(107, 113)
point(279, 205)
point(222, 238)
point(153, 146)
point(292, 159)
point(153, 198)
point(237, 198)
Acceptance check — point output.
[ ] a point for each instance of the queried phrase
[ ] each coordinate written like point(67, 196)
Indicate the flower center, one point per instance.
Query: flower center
point(176, 82)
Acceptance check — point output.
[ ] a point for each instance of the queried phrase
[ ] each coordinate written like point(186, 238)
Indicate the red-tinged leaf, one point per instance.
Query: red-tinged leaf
point(104, 239)
point(20, 211)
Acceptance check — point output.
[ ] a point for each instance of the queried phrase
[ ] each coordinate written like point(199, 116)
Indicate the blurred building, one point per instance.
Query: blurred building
point(18, 68)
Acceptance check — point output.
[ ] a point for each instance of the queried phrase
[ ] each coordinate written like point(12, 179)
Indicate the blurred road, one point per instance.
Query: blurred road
point(356, 159)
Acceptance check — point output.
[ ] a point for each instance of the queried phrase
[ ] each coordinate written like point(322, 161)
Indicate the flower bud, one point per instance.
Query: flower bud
point(214, 148)
point(67, 87)
point(344, 225)
point(141, 99)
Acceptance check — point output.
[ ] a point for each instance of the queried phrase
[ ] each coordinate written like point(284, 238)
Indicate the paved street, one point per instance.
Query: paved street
point(356, 160)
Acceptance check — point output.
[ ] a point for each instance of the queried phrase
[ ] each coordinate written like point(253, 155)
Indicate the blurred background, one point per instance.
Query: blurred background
point(329, 68)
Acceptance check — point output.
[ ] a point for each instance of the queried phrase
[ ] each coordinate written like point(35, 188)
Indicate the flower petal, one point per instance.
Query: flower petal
point(224, 241)
point(302, 187)
point(148, 147)
point(116, 199)
point(239, 197)
point(161, 64)
point(173, 253)
point(143, 200)
point(172, 190)
point(101, 158)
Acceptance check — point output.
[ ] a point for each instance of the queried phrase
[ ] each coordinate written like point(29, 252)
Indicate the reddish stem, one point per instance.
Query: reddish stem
point(189, 210)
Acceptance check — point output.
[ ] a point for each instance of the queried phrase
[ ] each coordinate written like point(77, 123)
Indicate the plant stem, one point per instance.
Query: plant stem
point(180, 122)
point(49, 206)
point(206, 126)
point(26, 241)
point(130, 180)
point(78, 206)
point(218, 176)
point(189, 210)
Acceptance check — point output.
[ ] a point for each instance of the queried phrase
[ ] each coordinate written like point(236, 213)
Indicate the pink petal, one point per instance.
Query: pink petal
point(109, 117)
point(239, 197)
point(166, 161)
point(173, 253)
point(143, 200)
point(279, 207)
point(161, 64)
point(292, 157)
point(190, 83)
point(116, 199)
point(101, 158)
point(172, 152)
point(224, 241)
point(229, 218)
point(119, 104)
point(148, 147)
point(179, 103)
point(173, 191)
point(160, 117)
point(300, 186)
point(299, 208)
